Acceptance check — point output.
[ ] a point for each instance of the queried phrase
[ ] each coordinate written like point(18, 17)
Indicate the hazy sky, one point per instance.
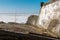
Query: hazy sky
point(20, 6)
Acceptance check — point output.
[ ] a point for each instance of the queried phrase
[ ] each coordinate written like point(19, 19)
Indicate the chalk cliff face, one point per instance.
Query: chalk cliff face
point(32, 20)
point(48, 14)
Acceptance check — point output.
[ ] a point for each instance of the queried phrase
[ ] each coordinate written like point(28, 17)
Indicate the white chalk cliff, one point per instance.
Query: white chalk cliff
point(48, 13)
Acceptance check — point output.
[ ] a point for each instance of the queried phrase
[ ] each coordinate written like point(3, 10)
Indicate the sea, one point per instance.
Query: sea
point(22, 18)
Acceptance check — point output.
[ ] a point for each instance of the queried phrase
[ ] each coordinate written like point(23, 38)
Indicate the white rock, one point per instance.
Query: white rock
point(48, 13)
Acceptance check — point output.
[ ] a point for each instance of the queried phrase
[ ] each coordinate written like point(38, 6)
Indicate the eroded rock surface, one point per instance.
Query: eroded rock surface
point(50, 17)
point(32, 20)
point(20, 28)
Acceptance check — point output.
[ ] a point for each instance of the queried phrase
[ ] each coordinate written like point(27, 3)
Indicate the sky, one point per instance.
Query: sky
point(20, 6)
point(8, 8)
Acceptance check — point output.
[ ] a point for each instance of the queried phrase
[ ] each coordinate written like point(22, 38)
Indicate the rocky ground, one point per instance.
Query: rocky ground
point(18, 28)
point(17, 31)
point(6, 35)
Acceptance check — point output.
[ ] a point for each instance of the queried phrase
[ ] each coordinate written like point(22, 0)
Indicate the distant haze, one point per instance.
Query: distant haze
point(19, 19)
